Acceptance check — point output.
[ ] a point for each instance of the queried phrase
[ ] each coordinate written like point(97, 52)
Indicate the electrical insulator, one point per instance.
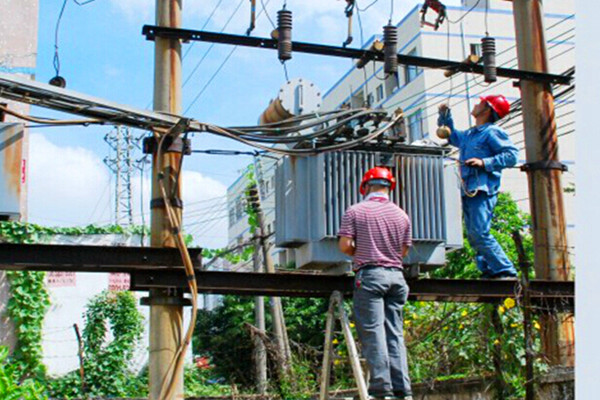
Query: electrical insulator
point(390, 49)
point(443, 132)
point(284, 30)
point(296, 97)
point(488, 51)
point(58, 81)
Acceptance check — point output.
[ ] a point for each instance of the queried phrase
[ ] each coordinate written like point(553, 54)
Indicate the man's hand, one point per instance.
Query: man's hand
point(443, 108)
point(475, 162)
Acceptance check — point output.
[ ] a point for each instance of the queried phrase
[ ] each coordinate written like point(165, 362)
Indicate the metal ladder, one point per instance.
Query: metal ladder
point(336, 302)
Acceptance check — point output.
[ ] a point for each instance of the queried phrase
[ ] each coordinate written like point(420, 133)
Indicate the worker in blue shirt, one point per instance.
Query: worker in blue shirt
point(485, 150)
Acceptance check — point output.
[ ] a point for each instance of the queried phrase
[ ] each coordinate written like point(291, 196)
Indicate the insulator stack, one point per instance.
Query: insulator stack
point(390, 49)
point(488, 51)
point(284, 29)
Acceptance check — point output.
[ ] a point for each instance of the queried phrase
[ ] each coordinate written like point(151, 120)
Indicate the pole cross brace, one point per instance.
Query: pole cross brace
point(544, 165)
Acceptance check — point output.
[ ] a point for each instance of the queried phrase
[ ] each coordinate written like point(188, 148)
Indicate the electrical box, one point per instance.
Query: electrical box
point(313, 193)
point(12, 170)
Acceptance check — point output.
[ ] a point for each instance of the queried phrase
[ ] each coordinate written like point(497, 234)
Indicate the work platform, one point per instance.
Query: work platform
point(162, 268)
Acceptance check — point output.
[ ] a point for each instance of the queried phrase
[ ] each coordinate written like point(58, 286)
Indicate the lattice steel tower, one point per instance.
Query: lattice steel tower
point(121, 143)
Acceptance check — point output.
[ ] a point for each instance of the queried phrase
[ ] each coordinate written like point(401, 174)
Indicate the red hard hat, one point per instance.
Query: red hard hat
point(498, 104)
point(377, 173)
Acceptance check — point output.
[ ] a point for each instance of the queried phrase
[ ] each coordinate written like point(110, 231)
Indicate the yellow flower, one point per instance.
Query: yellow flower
point(414, 316)
point(536, 325)
point(336, 362)
point(340, 353)
point(509, 303)
point(496, 342)
point(445, 328)
point(351, 324)
point(335, 341)
point(407, 322)
point(501, 310)
point(461, 326)
point(464, 313)
point(514, 325)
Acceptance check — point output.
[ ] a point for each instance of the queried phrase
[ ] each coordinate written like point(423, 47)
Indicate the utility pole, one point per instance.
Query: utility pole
point(260, 352)
point(166, 308)
point(544, 174)
point(279, 326)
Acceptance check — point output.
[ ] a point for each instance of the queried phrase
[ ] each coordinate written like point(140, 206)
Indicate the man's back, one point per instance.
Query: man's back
point(380, 230)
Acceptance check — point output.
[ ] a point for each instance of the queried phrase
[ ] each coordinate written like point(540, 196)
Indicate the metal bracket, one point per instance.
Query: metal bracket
point(177, 301)
point(152, 31)
point(544, 165)
point(160, 202)
point(172, 145)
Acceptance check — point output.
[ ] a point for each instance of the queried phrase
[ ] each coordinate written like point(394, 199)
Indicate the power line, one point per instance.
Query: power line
point(202, 28)
point(186, 81)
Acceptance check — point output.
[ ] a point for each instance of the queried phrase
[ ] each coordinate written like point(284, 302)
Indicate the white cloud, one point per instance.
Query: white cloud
point(136, 11)
point(71, 186)
point(66, 184)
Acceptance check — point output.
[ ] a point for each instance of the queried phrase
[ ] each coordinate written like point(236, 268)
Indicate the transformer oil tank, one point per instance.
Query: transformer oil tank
point(296, 97)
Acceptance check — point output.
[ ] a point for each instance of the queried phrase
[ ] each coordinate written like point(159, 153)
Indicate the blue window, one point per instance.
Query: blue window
point(415, 126)
point(411, 71)
point(379, 93)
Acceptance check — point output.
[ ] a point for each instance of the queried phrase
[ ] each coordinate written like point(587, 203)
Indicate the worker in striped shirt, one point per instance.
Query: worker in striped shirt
point(377, 233)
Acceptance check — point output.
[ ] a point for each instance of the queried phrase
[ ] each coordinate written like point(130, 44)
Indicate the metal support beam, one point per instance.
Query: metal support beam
point(545, 295)
point(78, 258)
point(152, 32)
point(161, 268)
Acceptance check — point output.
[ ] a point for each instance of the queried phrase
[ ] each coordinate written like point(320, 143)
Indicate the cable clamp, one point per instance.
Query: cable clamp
point(544, 165)
point(160, 202)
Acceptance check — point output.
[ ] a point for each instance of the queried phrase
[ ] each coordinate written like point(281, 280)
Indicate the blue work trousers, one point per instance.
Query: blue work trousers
point(379, 297)
point(478, 212)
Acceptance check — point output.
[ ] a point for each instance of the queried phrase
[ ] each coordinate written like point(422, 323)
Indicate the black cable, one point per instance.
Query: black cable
point(465, 14)
point(56, 61)
point(212, 45)
point(213, 76)
point(367, 7)
point(203, 26)
point(487, 6)
point(222, 64)
point(264, 7)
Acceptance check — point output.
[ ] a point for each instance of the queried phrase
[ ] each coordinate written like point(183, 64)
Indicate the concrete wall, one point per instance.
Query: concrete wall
point(18, 53)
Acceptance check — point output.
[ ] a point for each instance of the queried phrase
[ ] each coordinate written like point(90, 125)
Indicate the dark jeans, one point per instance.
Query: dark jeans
point(379, 297)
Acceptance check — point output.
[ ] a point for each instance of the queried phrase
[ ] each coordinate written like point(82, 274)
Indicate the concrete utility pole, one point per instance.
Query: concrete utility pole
point(260, 352)
point(166, 309)
point(545, 188)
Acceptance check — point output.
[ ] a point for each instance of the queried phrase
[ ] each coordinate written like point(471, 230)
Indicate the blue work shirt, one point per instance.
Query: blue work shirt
point(487, 142)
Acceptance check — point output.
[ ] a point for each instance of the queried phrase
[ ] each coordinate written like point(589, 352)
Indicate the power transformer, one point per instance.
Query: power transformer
point(313, 193)
point(12, 170)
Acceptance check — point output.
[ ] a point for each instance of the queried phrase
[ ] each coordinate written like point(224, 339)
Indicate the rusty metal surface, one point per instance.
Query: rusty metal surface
point(43, 257)
point(11, 172)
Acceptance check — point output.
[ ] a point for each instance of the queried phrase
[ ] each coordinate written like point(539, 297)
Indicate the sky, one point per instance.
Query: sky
point(103, 53)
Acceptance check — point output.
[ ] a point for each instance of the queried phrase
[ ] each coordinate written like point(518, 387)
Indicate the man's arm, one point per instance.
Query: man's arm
point(445, 118)
point(505, 153)
point(347, 233)
point(346, 245)
point(405, 250)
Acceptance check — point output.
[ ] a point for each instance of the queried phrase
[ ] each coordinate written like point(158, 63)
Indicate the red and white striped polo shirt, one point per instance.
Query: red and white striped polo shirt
point(380, 229)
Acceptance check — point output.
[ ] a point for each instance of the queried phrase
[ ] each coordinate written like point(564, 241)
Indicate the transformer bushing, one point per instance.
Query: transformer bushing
point(488, 51)
point(390, 49)
point(284, 29)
